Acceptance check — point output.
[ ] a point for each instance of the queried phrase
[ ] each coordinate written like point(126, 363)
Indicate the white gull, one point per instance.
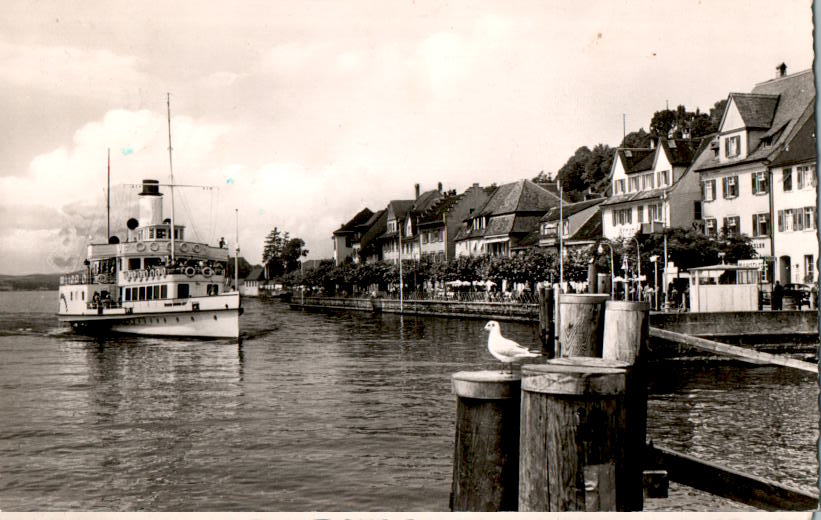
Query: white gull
point(503, 349)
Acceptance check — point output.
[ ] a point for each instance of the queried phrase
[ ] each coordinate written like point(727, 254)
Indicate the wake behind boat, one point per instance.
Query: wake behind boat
point(152, 284)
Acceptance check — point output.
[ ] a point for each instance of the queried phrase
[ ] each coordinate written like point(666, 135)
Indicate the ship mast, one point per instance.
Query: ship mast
point(236, 252)
point(171, 170)
point(108, 199)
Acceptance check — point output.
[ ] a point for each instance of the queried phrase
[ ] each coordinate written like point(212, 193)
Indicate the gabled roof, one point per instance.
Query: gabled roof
point(439, 208)
point(680, 152)
point(425, 201)
point(517, 197)
point(801, 145)
point(400, 208)
point(360, 218)
point(635, 196)
point(379, 223)
point(631, 157)
point(570, 209)
point(257, 273)
point(643, 164)
point(590, 230)
point(757, 110)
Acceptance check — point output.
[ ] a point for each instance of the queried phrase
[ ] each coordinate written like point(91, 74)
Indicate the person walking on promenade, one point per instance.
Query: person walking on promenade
point(777, 296)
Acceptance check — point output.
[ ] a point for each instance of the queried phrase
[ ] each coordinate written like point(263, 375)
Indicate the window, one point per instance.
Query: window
point(640, 214)
point(786, 174)
point(164, 292)
point(133, 263)
point(149, 292)
point(730, 187)
point(732, 146)
point(647, 181)
point(732, 225)
point(806, 177)
point(709, 190)
point(809, 268)
point(634, 183)
point(761, 183)
point(625, 216)
point(615, 216)
point(182, 290)
point(620, 186)
point(663, 178)
point(710, 227)
point(162, 233)
point(761, 225)
point(809, 217)
point(697, 210)
point(142, 294)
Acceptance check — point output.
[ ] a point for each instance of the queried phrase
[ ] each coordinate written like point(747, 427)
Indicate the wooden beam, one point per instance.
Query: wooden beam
point(744, 354)
point(729, 483)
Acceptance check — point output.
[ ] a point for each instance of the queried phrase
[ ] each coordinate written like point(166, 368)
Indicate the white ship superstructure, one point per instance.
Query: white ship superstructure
point(141, 286)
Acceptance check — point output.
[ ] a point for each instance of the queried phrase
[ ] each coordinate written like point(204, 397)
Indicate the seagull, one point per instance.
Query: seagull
point(503, 349)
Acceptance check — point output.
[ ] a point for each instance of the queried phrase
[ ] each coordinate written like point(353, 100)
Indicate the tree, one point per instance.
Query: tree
point(637, 139)
point(292, 253)
point(571, 175)
point(597, 167)
point(281, 253)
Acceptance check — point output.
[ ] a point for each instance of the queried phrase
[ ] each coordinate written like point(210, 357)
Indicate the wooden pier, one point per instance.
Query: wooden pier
point(582, 421)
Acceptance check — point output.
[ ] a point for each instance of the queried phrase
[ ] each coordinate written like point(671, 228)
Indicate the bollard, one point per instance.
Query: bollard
point(581, 324)
point(547, 311)
point(486, 448)
point(573, 427)
point(626, 336)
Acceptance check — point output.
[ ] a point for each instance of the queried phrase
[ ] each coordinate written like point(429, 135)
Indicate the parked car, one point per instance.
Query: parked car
point(799, 292)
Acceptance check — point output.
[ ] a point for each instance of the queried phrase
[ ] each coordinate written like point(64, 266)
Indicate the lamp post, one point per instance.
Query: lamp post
point(624, 268)
point(638, 267)
point(655, 259)
point(612, 286)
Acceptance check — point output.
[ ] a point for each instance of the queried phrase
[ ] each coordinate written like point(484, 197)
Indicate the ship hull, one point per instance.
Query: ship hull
point(200, 324)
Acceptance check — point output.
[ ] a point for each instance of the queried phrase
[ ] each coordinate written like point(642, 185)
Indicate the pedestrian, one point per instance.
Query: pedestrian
point(777, 296)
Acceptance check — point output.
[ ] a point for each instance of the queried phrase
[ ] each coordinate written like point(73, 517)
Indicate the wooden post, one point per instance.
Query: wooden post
point(626, 336)
point(547, 331)
point(572, 436)
point(486, 448)
point(581, 325)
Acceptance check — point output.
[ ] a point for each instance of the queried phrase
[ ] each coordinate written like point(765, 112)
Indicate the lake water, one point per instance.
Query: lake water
point(320, 412)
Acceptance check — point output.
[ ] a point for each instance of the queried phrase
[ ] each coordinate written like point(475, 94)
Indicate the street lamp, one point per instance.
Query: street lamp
point(638, 266)
point(655, 259)
point(612, 285)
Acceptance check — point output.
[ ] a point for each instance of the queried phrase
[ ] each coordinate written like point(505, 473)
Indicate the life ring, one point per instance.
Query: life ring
point(155, 246)
point(207, 272)
point(153, 273)
point(218, 271)
point(189, 271)
point(162, 271)
point(140, 246)
point(184, 247)
point(196, 248)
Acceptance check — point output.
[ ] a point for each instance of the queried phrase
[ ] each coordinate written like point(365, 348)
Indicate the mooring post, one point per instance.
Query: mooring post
point(486, 448)
point(626, 337)
point(547, 331)
point(581, 325)
point(573, 427)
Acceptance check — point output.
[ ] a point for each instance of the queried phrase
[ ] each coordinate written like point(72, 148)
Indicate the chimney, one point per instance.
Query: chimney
point(781, 70)
point(416, 190)
point(475, 184)
point(439, 187)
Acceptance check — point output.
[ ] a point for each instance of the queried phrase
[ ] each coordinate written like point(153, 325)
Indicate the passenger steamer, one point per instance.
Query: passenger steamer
point(152, 283)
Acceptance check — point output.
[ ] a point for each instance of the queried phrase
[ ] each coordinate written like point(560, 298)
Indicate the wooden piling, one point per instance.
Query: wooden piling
point(547, 331)
point(486, 448)
point(581, 325)
point(572, 436)
point(626, 337)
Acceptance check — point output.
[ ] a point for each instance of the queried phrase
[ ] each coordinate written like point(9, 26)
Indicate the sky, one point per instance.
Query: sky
point(299, 114)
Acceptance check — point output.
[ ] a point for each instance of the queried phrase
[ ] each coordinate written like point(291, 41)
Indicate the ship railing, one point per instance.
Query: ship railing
point(103, 304)
point(160, 272)
point(83, 277)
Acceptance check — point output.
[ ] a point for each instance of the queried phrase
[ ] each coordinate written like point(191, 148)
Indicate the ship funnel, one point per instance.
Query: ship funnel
point(150, 203)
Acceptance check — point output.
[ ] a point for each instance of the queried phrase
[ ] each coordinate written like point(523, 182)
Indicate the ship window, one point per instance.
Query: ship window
point(127, 294)
point(142, 294)
point(71, 295)
point(84, 296)
point(152, 262)
point(151, 233)
point(133, 263)
point(161, 233)
point(149, 292)
point(182, 290)
point(163, 291)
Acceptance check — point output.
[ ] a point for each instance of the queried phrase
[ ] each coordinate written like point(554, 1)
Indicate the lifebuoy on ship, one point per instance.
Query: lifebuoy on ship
point(184, 247)
point(155, 246)
point(140, 246)
point(162, 271)
point(189, 271)
point(207, 272)
point(196, 248)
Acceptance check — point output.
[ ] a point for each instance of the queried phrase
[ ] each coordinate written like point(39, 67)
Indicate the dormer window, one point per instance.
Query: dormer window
point(664, 178)
point(634, 183)
point(732, 146)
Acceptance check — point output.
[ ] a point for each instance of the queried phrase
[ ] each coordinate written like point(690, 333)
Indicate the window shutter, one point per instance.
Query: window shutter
point(613, 212)
point(753, 176)
point(724, 187)
point(704, 190)
point(781, 220)
point(755, 225)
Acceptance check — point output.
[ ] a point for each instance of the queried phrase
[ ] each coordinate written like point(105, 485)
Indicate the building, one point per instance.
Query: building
point(652, 188)
point(253, 282)
point(511, 213)
point(744, 193)
point(347, 235)
point(581, 225)
point(395, 214)
point(438, 226)
point(411, 237)
point(369, 248)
